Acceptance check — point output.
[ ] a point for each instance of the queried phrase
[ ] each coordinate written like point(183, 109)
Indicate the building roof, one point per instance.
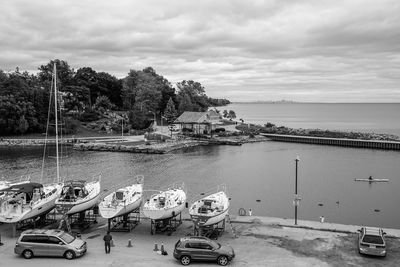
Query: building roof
point(198, 117)
point(192, 117)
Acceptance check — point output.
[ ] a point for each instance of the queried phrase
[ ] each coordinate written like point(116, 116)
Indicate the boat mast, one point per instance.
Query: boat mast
point(56, 119)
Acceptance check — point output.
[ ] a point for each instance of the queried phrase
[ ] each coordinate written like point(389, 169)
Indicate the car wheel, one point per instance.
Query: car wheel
point(69, 255)
point(185, 260)
point(27, 254)
point(222, 260)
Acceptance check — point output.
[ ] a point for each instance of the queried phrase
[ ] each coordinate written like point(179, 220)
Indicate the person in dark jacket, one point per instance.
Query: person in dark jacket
point(107, 242)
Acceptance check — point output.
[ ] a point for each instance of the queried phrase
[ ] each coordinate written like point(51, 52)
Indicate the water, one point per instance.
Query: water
point(378, 118)
point(259, 171)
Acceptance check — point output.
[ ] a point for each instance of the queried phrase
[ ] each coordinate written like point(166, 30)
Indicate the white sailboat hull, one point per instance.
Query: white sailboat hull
point(24, 212)
point(204, 220)
point(80, 205)
point(111, 212)
point(210, 210)
point(172, 203)
point(159, 214)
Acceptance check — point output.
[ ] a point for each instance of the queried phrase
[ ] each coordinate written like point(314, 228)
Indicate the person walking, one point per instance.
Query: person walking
point(107, 242)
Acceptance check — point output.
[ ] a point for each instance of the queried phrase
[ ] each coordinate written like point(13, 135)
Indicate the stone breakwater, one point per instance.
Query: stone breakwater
point(164, 147)
point(152, 148)
point(29, 142)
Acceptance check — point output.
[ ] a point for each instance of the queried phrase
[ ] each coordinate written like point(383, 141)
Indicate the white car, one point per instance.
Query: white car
point(371, 241)
point(173, 127)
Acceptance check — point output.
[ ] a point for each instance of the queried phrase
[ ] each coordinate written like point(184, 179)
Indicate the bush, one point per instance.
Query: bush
point(89, 115)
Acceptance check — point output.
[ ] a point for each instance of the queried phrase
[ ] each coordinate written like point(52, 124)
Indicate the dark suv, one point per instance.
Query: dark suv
point(38, 242)
point(199, 248)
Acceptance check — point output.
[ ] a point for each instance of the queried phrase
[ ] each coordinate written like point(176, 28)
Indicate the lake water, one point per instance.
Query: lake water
point(379, 118)
point(260, 171)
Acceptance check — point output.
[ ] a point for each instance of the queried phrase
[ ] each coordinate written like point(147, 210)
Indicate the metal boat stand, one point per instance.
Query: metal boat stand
point(212, 231)
point(124, 223)
point(166, 225)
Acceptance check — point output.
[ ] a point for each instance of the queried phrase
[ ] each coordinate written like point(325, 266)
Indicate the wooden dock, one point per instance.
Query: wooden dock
point(359, 143)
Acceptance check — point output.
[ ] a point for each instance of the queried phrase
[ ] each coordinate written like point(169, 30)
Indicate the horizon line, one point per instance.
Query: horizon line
point(307, 102)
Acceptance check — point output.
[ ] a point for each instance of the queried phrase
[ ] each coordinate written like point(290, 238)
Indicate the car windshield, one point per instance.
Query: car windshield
point(373, 239)
point(67, 238)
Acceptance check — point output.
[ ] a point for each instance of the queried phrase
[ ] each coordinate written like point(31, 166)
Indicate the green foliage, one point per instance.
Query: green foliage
point(16, 116)
point(138, 119)
point(64, 72)
point(24, 97)
point(89, 115)
point(76, 98)
point(145, 88)
point(231, 114)
point(103, 103)
point(170, 112)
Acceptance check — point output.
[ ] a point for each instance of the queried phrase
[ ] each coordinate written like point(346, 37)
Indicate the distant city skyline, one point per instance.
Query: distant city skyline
point(244, 51)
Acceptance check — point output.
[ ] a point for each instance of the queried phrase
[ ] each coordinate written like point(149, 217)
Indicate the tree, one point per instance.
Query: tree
point(111, 87)
point(64, 72)
point(192, 94)
point(76, 98)
point(231, 114)
point(138, 119)
point(129, 90)
point(87, 77)
point(185, 104)
point(103, 103)
point(170, 112)
point(16, 117)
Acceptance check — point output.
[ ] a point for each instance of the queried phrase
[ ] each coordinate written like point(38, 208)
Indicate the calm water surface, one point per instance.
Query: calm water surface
point(379, 118)
point(261, 171)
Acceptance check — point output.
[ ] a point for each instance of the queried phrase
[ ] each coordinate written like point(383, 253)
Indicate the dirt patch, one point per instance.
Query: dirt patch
point(335, 251)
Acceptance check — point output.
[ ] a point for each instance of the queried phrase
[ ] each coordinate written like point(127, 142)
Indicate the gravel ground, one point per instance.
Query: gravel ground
point(258, 243)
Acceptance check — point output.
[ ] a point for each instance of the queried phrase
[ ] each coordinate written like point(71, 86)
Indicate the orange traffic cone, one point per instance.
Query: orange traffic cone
point(129, 243)
point(155, 247)
point(162, 247)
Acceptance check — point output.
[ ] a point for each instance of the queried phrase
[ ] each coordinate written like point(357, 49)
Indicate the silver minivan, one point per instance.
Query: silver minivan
point(43, 242)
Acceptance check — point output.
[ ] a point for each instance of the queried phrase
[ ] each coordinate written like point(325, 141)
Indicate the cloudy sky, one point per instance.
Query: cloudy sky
point(312, 50)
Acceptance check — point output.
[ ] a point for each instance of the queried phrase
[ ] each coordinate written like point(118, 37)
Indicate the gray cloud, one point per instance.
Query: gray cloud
point(316, 50)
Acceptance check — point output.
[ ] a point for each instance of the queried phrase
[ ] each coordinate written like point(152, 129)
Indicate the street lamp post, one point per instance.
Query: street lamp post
point(296, 197)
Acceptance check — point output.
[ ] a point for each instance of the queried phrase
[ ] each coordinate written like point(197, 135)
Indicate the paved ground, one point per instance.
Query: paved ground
point(260, 241)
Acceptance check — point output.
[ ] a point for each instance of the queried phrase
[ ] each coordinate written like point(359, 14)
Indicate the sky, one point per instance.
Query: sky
point(311, 50)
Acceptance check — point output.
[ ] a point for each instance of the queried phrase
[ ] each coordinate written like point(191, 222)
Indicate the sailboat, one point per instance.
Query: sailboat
point(28, 200)
point(211, 209)
point(78, 196)
point(123, 200)
point(6, 184)
point(165, 204)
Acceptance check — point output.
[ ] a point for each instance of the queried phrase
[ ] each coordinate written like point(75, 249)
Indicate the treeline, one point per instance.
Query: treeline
point(85, 94)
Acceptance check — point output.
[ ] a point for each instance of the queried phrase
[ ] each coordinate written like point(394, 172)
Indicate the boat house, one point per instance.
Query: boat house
point(199, 122)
